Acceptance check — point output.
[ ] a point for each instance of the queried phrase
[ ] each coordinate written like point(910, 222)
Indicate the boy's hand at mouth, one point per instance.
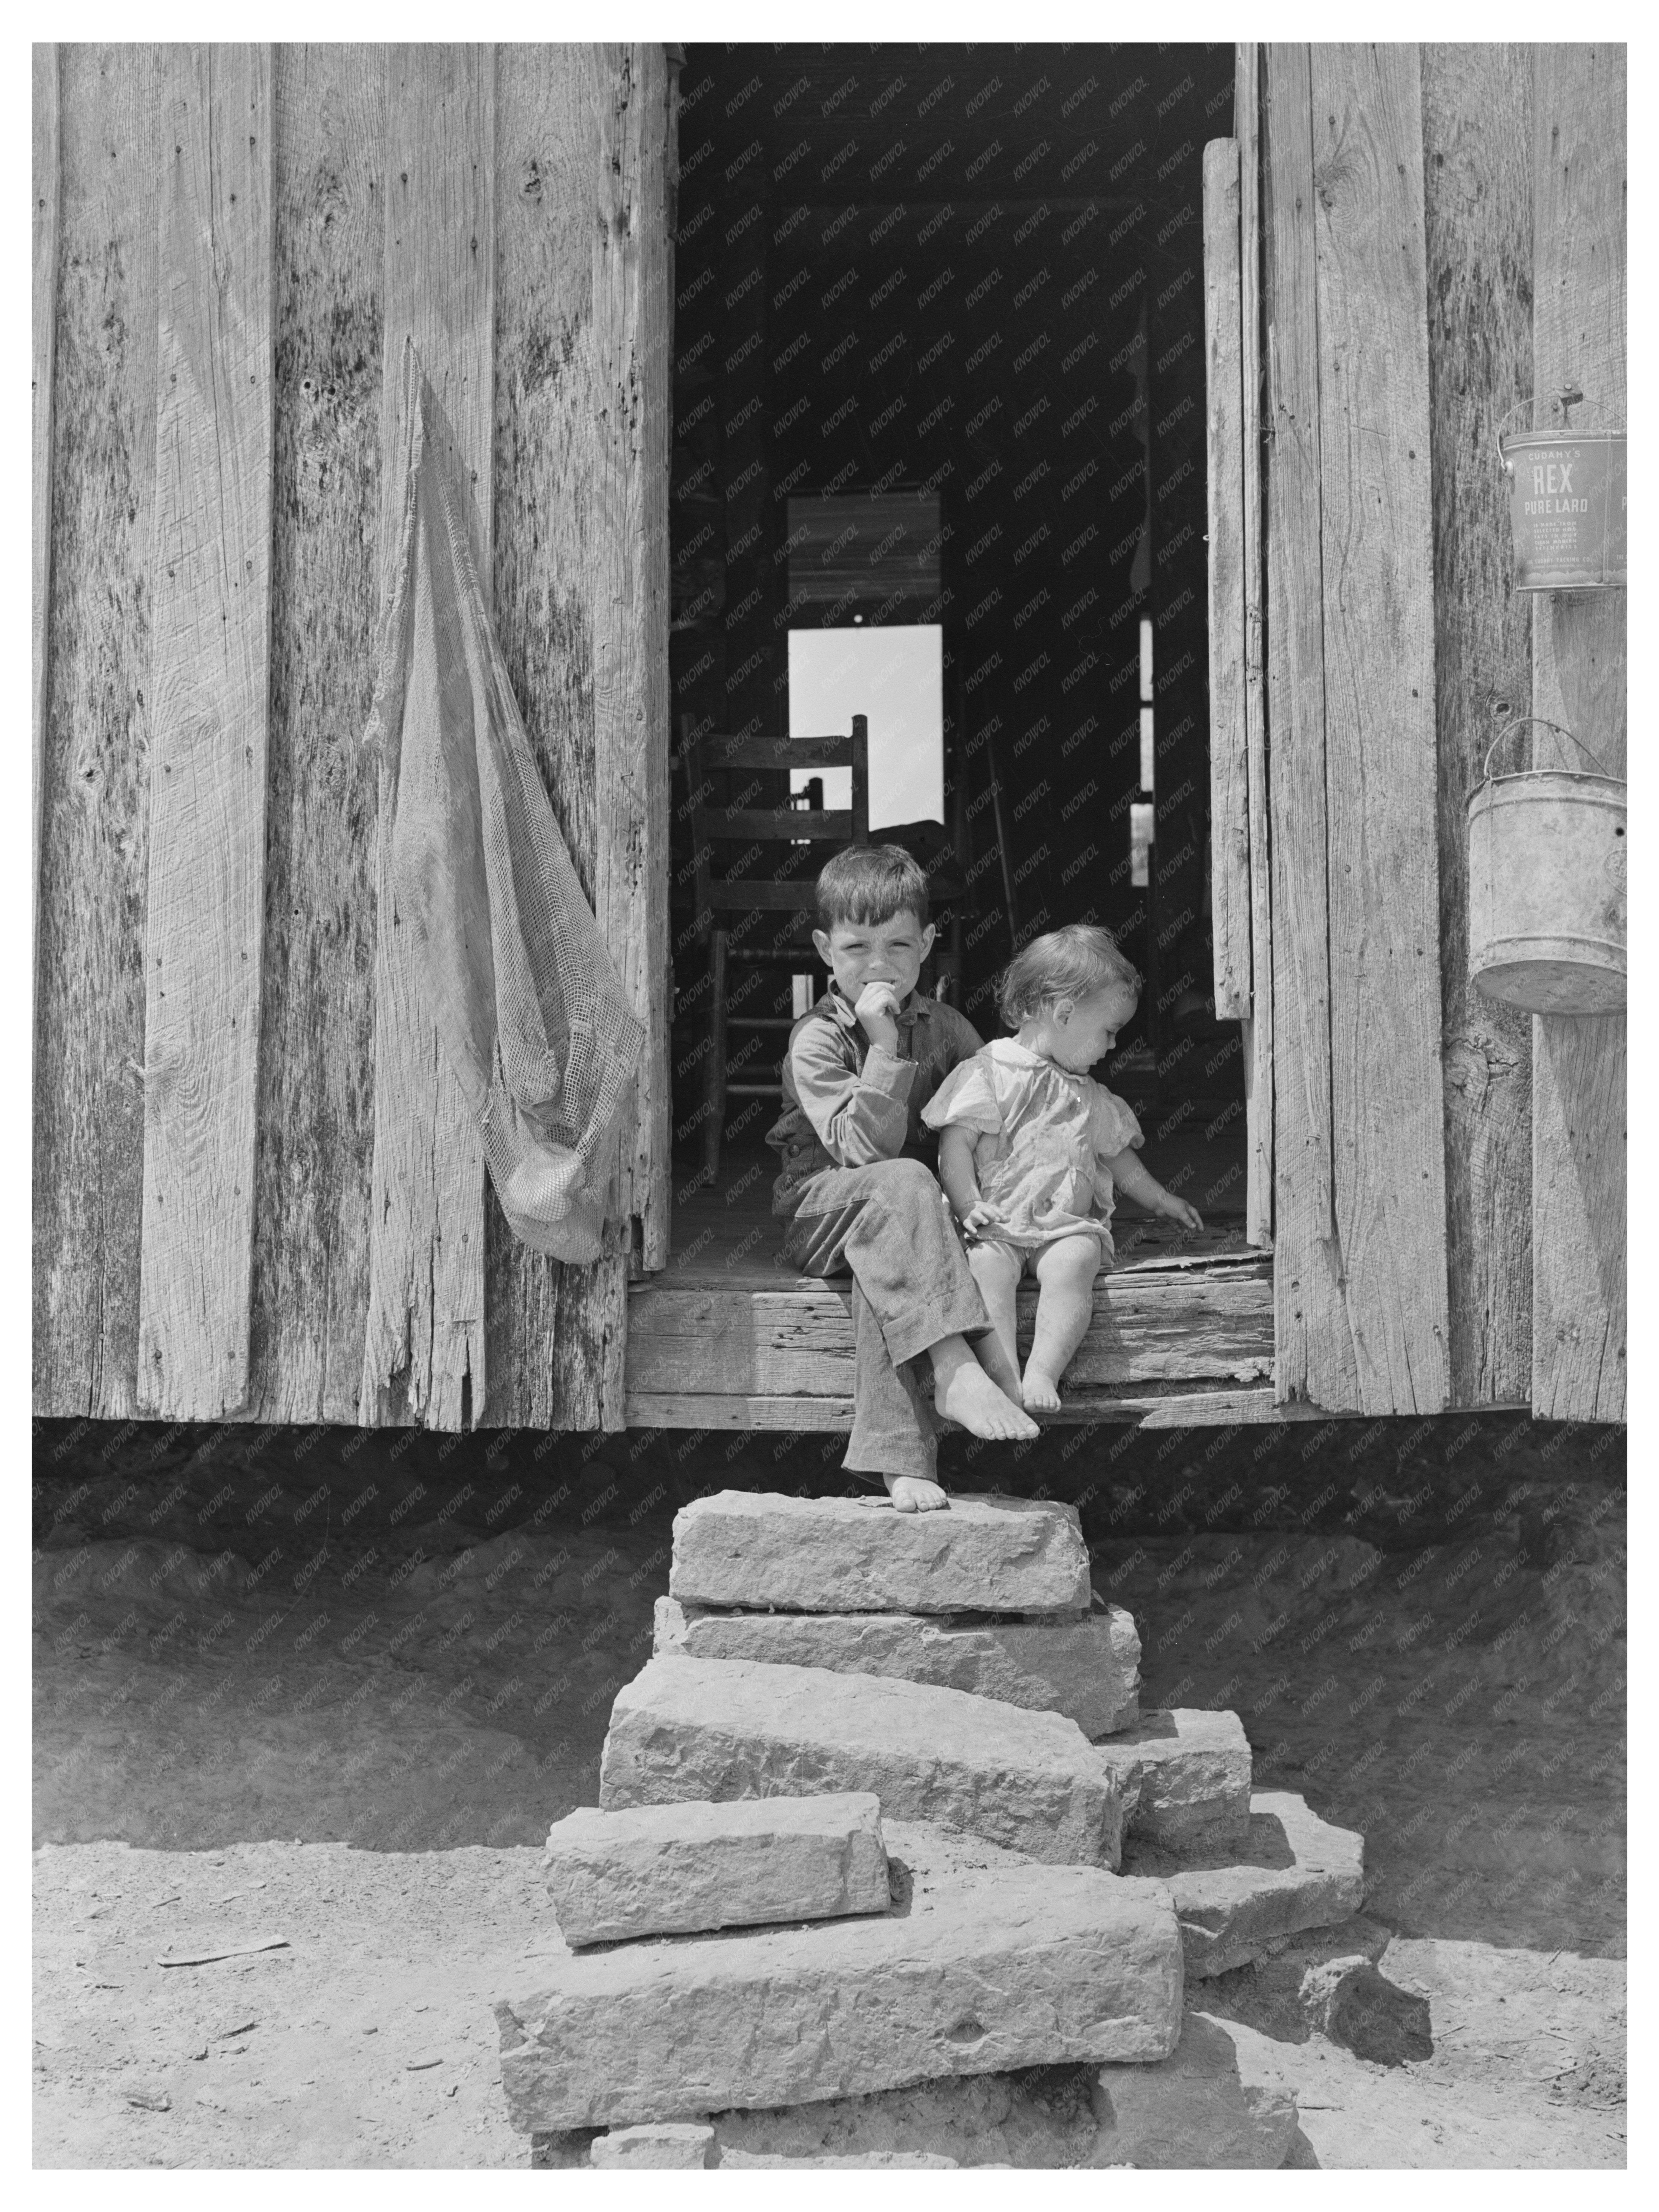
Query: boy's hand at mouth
point(877, 1009)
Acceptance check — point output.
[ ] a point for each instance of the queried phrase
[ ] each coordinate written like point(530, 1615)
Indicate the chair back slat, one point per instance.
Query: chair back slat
point(770, 897)
point(795, 823)
point(776, 752)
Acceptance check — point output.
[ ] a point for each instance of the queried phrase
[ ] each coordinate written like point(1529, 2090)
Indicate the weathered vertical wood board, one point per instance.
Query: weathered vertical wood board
point(1257, 1034)
point(1376, 562)
point(1230, 800)
point(45, 180)
point(1477, 172)
point(1314, 1351)
point(630, 661)
point(210, 700)
point(1579, 664)
point(317, 1061)
point(89, 1035)
point(553, 1331)
point(646, 852)
point(424, 1350)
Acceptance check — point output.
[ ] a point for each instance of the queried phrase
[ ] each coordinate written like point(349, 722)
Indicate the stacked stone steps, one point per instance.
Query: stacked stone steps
point(1238, 1899)
point(740, 1727)
point(989, 1599)
point(819, 1677)
point(681, 1869)
point(1084, 1667)
point(1013, 1967)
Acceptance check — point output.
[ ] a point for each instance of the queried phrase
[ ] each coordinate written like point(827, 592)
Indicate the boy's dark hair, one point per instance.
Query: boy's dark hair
point(871, 884)
point(1067, 963)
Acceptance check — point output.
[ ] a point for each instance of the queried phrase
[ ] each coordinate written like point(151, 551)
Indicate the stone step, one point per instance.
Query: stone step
point(674, 1869)
point(1086, 1669)
point(1193, 1770)
point(1291, 1871)
point(1192, 2110)
point(723, 1729)
point(910, 2160)
point(1013, 1967)
point(661, 2146)
point(980, 1554)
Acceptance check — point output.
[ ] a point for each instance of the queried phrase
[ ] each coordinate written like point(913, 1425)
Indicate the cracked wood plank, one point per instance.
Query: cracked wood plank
point(423, 1354)
point(1477, 171)
point(89, 1031)
point(211, 678)
point(581, 587)
point(1256, 1034)
point(1179, 1326)
point(634, 314)
point(1314, 1350)
point(1229, 801)
point(1382, 860)
point(45, 184)
point(316, 1067)
point(1579, 660)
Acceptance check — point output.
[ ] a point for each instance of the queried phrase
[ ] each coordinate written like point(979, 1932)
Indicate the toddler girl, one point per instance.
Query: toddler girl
point(1031, 1148)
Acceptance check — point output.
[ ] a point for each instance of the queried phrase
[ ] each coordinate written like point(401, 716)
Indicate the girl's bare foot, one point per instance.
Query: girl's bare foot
point(1040, 1392)
point(994, 1357)
point(914, 1493)
point(964, 1393)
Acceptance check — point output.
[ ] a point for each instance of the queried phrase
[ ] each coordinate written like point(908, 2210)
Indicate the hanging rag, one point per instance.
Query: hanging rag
point(527, 1002)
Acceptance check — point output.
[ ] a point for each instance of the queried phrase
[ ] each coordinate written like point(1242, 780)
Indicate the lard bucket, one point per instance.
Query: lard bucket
point(1547, 870)
point(1567, 507)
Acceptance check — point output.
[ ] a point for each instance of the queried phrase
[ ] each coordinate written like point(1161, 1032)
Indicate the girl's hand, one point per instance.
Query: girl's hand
point(982, 1217)
point(1176, 1209)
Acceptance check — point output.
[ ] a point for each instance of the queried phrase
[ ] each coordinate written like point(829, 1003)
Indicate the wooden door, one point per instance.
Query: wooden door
point(1324, 757)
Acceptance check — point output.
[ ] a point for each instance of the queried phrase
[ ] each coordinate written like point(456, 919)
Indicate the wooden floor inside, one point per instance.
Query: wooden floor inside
point(726, 1336)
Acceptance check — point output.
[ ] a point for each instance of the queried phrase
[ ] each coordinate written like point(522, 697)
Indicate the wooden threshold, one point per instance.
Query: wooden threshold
point(724, 1338)
point(1193, 1408)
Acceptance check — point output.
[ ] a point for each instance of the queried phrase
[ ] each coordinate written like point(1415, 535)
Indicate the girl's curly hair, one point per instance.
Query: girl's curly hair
point(1069, 962)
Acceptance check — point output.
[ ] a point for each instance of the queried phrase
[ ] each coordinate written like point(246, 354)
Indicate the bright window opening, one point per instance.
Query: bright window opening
point(895, 679)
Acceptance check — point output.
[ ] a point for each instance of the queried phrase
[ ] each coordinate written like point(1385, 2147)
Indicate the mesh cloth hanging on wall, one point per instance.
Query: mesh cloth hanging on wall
point(527, 1002)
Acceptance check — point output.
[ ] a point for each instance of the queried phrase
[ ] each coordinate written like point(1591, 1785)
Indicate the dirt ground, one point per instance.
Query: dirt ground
point(332, 1688)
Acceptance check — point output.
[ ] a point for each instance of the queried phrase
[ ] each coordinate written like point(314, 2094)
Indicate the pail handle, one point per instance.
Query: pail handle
point(1525, 721)
point(1570, 397)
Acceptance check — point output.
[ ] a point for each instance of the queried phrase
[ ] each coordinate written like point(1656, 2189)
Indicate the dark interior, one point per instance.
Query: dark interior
point(976, 272)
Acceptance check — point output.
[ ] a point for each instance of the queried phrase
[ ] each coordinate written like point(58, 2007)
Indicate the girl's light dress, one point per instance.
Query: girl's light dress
point(1043, 1140)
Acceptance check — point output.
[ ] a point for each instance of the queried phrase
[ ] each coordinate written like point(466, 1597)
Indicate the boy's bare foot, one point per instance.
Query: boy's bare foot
point(1040, 1392)
point(914, 1493)
point(964, 1393)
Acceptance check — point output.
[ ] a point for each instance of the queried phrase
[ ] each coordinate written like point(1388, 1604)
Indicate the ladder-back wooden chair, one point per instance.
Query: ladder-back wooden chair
point(755, 906)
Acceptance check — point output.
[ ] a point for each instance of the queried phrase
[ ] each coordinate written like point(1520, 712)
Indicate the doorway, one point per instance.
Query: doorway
point(972, 275)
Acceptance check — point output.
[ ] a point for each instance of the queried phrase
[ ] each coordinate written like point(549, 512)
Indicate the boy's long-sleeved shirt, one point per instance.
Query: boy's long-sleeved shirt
point(847, 1101)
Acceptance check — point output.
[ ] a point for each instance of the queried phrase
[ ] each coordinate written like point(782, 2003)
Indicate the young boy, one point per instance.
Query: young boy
point(857, 1186)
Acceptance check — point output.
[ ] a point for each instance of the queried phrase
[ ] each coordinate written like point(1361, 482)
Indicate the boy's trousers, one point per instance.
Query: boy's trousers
point(889, 1223)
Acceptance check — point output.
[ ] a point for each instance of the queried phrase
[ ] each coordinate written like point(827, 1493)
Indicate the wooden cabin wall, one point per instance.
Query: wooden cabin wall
point(95, 720)
point(199, 810)
point(1449, 1177)
point(1579, 1070)
point(1524, 172)
point(1477, 175)
point(1359, 1213)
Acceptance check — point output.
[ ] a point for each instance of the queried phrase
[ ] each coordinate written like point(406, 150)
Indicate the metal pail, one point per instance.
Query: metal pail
point(1547, 871)
point(1567, 507)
